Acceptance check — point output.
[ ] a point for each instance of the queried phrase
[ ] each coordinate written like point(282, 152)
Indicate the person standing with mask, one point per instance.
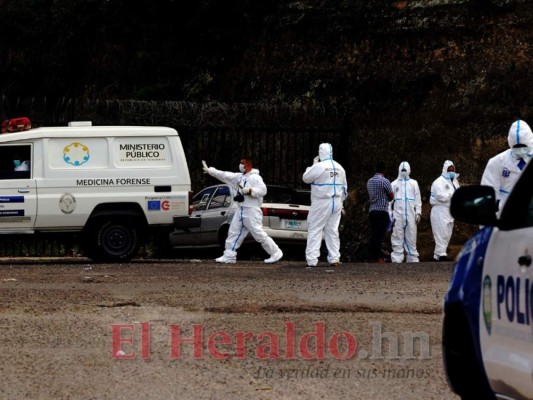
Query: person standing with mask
point(406, 211)
point(328, 191)
point(250, 190)
point(442, 191)
point(380, 194)
point(504, 169)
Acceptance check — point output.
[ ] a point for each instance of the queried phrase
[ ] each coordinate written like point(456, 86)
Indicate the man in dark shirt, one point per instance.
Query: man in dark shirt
point(380, 193)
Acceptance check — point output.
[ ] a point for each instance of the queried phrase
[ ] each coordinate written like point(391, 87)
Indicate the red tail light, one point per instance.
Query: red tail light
point(16, 125)
point(190, 202)
point(284, 213)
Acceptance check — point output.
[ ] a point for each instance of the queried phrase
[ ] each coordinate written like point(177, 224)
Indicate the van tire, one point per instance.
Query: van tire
point(115, 240)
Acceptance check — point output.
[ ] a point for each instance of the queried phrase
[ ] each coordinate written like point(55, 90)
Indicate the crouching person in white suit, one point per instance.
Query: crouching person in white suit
point(250, 190)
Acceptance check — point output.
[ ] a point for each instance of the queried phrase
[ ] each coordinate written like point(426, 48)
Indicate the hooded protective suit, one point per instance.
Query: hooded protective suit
point(502, 171)
point(328, 191)
point(406, 209)
point(24, 166)
point(248, 217)
point(442, 191)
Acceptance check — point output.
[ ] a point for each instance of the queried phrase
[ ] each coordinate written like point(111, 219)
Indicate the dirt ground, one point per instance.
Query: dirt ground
point(77, 330)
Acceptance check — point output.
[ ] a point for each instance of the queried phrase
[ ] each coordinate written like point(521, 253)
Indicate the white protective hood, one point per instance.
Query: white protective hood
point(445, 167)
point(404, 165)
point(325, 151)
point(520, 133)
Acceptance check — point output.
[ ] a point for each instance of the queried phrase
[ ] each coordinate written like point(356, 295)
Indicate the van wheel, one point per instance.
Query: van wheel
point(114, 241)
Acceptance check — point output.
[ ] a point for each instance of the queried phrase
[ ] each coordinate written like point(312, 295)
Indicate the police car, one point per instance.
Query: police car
point(488, 309)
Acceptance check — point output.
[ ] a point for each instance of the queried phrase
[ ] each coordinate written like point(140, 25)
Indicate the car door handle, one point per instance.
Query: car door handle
point(24, 190)
point(524, 261)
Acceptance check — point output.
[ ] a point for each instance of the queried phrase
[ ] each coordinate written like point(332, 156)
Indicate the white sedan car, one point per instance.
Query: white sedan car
point(488, 309)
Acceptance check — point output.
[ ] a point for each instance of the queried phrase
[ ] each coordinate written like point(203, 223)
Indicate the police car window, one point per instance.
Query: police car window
point(15, 162)
point(518, 210)
point(221, 198)
point(529, 217)
point(201, 199)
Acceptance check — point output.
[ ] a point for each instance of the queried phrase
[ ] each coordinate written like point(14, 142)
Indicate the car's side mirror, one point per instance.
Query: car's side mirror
point(475, 205)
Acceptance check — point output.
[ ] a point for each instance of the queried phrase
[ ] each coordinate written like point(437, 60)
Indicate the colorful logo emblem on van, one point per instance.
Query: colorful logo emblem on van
point(76, 154)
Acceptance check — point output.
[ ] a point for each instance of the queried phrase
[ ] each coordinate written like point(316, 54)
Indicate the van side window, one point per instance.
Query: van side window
point(15, 161)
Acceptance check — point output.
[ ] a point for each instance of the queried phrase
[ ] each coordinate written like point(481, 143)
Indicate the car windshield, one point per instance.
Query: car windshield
point(284, 195)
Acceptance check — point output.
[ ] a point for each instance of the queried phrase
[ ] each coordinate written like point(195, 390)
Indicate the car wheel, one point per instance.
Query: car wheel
point(114, 241)
point(465, 373)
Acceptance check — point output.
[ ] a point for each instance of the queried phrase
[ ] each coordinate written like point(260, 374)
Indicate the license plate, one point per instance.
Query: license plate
point(293, 224)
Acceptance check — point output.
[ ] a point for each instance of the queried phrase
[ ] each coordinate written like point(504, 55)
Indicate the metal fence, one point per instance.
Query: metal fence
point(280, 155)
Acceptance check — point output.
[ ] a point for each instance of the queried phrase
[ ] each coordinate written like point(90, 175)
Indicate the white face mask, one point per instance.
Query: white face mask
point(404, 174)
point(241, 167)
point(520, 152)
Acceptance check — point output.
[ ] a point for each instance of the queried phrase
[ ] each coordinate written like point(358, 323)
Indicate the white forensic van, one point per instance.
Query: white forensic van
point(108, 183)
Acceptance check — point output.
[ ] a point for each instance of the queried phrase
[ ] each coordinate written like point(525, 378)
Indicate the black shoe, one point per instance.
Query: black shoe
point(445, 258)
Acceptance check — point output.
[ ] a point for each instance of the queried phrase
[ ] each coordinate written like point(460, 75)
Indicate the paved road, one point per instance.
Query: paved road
point(80, 330)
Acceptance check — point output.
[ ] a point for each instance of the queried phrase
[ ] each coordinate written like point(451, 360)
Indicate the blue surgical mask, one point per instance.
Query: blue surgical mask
point(241, 168)
point(451, 175)
point(16, 163)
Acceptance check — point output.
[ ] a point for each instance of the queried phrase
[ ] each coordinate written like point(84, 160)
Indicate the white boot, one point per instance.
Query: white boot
point(274, 257)
point(225, 260)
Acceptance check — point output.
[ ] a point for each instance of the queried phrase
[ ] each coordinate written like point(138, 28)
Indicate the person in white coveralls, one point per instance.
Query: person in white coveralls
point(250, 190)
point(442, 221)
point(328, 192)
point(504, 169)
point(406, 212)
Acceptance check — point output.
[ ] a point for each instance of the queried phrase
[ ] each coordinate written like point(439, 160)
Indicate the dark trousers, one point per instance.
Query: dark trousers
point(379, 221)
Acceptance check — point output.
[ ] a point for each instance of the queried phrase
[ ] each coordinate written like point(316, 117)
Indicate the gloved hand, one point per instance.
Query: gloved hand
point(247, 190)
point(316, 160)
point(418, 217)
point(205, 167)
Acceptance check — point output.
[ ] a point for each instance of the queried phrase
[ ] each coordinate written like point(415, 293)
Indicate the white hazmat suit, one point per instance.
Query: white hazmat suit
point(23, 166)
point(442, 191)
point(328, 191)
point(248, 217)
point(502, 171)
point(406, 211)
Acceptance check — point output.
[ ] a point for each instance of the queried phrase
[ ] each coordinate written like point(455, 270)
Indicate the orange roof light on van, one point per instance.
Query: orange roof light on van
point(16, 125)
